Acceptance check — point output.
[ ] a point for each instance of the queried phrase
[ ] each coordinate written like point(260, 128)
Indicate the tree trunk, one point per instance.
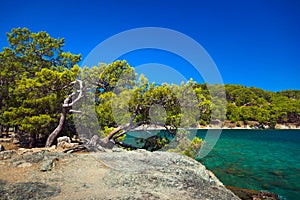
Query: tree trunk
point(16, 131)
point(113, 132)
point(6, 131)
point(65, 108)
point(54, 134)
point(32, 140)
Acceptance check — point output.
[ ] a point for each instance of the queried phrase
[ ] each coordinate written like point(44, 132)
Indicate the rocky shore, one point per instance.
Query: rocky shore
point(114, 174)
point(230, 125)
point(249, 125)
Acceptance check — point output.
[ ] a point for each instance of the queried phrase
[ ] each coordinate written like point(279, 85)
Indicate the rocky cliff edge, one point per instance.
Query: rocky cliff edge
point(115, 174)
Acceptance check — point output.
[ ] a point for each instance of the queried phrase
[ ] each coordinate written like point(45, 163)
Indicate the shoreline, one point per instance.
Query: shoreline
point(247, 127)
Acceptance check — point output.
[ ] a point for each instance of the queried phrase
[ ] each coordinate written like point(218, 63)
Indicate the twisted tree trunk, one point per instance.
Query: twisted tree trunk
point(57, 130)
point(65, 108)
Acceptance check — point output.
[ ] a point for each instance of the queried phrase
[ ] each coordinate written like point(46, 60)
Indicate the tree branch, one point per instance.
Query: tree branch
point(75, 111)
point(64, 87)
point(80, 95)
point(125, 145)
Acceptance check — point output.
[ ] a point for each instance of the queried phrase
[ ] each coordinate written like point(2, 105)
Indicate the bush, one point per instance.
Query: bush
point(185, 145)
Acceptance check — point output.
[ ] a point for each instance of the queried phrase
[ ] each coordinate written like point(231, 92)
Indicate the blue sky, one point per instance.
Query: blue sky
point(253, 43)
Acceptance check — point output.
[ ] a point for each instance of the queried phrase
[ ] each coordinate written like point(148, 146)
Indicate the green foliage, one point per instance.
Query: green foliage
point(153, 143)
point(292, 94)
point(117, 76)
point(34, 69)
point(202, 122)
point(42, 97)
point(186, 145)
point(268, 108)
point(107, 130)
point(38, 50)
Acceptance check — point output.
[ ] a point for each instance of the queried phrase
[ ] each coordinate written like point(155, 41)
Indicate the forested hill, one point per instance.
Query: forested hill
point(293, 94)
point(254, 104)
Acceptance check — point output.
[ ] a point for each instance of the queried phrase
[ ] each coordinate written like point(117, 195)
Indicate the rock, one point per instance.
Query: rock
point(43, 157)
point(27, 190)
point(26, 164)
point(247, 194)
point(214, 178)
point(63, 139)
point(101, 149)
point(34, 157)
point(154, 173)
point(266, 126)
point(46, 165)
point(65, 143)
point(131, 174)
point(4, 155)
point(2, 147)
point(266, 196)
point(117, 149)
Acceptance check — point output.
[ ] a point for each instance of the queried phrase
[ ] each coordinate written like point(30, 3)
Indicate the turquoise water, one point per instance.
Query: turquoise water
point(258, 159)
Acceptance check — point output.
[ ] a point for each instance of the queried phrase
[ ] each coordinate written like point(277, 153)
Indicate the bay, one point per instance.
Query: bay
point(257, 159)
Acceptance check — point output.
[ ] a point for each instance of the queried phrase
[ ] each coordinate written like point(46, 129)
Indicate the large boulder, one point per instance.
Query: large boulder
point(160, 175)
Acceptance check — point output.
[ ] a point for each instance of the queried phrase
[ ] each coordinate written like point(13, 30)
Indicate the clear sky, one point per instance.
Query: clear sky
point(253, 42)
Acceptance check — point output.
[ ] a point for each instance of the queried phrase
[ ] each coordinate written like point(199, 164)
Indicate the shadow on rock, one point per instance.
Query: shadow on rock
point(26, 190)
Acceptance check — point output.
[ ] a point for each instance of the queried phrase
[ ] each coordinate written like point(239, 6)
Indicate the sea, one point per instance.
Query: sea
point(267, 160)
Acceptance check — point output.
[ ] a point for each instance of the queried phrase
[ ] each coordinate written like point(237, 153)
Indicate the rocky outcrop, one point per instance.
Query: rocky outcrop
point(161, 175)
point(114, 174)
point(65, 143)
point(246, 194)
point(4, 155)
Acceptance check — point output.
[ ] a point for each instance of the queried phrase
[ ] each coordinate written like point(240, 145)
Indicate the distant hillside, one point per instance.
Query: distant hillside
point(245, 104)
point(293, 94)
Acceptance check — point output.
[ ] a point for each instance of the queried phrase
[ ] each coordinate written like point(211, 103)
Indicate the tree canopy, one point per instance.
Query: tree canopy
point(39, 83)
point(34, 69)
point(268, 108)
